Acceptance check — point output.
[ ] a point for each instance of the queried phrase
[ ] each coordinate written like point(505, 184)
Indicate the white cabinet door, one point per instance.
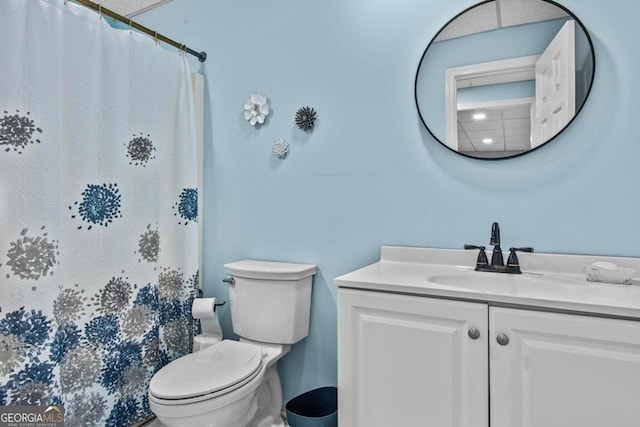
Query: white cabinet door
point(408, 361)
point(563, 370)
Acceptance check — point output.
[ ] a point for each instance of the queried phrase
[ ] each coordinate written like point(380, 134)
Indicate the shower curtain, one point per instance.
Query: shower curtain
point(98, 212)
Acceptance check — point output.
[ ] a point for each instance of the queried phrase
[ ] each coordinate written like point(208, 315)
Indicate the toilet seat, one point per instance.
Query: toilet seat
point(208, 373)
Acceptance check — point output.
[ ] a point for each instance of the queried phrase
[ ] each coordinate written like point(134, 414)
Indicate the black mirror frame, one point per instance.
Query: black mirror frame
point(593, 59)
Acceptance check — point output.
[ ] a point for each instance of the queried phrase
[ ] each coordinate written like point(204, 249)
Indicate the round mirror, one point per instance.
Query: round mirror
point(504, 77)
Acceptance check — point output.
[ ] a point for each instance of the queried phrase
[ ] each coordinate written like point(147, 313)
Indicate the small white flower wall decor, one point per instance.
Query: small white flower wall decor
point(256, 109)
point(280, 148)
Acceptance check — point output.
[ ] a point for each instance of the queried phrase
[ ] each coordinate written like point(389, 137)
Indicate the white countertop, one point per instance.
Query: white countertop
point(551, 281)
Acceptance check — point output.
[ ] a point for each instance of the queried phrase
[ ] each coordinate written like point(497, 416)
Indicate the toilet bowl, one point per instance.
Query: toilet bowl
point(235, 383)
point(220, 386)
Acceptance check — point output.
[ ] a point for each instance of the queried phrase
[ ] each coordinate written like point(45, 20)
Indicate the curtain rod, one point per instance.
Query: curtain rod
point(202, 56)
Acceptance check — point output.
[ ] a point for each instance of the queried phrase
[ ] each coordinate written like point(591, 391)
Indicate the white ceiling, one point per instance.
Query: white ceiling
point(500, 14)
point(508, 126)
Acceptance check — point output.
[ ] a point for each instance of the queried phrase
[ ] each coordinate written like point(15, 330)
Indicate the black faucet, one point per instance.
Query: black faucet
point(497, 261)
point(496, 257)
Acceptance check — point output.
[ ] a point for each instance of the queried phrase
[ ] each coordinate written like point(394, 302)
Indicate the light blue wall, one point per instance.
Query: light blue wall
point(370, 174)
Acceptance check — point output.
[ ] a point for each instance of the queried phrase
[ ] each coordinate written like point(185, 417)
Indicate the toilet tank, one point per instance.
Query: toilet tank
point(270, 301)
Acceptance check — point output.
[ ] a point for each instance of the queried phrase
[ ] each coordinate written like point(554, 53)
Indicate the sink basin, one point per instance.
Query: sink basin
point(505, 283)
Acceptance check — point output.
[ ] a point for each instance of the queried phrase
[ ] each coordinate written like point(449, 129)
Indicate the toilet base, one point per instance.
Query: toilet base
point(261, 408)
point(269, 399)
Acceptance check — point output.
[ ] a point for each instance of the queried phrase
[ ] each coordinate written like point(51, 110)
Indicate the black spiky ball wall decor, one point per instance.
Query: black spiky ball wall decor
point(305, 118)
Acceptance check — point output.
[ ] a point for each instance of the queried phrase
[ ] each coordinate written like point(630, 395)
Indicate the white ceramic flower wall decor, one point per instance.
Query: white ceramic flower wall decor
point(280, 148)
point(256, 109)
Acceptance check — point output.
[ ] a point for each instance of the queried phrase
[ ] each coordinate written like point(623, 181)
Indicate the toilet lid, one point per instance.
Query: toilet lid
point(216, 368)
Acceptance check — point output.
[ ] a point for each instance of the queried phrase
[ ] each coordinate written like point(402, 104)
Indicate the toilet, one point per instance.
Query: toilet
point(232, 383)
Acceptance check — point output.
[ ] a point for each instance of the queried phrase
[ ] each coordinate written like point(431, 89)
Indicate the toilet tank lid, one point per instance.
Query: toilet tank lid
point(269, 270)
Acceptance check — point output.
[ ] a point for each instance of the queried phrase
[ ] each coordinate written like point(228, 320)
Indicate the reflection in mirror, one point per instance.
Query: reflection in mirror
point(504, 77)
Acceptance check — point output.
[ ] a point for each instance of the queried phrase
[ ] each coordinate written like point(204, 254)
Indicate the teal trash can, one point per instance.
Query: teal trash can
point(315, 408)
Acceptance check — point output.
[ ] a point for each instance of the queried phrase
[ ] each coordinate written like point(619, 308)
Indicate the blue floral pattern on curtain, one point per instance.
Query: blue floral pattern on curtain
point(98, 213)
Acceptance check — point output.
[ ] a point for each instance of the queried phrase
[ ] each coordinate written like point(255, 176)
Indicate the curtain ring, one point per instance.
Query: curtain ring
point(155, 36)
point(130, 26)
point(100, 10)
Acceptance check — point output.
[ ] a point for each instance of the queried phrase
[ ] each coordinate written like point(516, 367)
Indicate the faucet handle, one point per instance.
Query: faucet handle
point(512, 261)
point(482, 256)
point(523, 249)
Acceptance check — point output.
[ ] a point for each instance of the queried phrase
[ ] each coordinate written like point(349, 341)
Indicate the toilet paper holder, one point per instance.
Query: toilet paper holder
point(215, 306)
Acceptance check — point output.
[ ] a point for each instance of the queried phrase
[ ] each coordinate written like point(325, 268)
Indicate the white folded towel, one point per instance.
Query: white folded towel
point(609, 272)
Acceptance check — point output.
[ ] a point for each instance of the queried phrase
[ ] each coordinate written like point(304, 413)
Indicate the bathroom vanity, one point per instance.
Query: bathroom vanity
point(424, 340)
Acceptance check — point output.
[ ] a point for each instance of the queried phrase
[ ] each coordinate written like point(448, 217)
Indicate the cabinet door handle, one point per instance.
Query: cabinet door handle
point(502, 339)
point(474, 333)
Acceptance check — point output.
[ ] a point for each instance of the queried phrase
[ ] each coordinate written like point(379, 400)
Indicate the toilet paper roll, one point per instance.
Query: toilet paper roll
point(204, 309)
